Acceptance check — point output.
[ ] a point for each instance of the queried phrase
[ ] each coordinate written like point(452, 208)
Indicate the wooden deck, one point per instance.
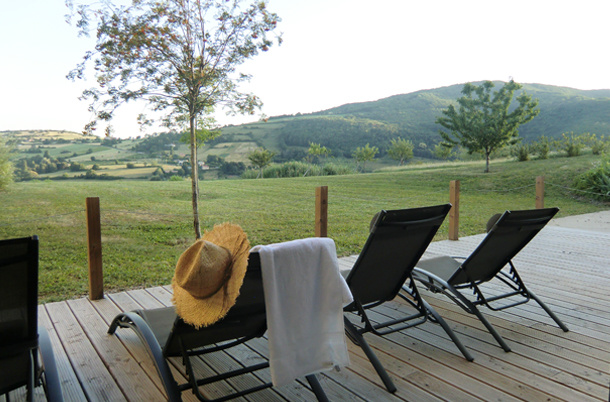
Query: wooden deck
point(569, 269)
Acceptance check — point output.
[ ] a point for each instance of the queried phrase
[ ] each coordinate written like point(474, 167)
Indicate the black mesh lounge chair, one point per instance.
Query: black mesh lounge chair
point(506, 237)
point(26, 355)
point(166, 335)
point(396, 242)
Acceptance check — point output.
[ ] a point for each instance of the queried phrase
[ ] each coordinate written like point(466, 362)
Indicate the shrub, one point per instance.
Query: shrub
point(131, 165)
point(176, 178)
point(521, 152)
point(598, 145)
point(596, 181)
point(542, 147)
point(572, 144)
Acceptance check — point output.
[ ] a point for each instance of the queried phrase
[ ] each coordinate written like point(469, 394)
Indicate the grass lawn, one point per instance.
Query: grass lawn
point(147, 225)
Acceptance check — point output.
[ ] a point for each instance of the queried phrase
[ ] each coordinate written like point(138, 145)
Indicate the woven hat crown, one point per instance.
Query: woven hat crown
point(204, 270)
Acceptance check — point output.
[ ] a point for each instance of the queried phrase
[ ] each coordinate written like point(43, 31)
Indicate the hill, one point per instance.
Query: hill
point(341, 129)
point(412, 116)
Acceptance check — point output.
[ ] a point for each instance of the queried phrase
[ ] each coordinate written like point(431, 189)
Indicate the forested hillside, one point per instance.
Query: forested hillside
point(341, 129)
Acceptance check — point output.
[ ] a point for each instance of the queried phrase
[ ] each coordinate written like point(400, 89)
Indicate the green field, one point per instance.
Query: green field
point(147, 225)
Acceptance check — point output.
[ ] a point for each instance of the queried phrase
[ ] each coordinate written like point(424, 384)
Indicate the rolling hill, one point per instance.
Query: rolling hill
point(412, 116)
point(341, 129)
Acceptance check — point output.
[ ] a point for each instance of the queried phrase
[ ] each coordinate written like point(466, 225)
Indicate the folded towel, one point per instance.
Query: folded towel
point(304, 297)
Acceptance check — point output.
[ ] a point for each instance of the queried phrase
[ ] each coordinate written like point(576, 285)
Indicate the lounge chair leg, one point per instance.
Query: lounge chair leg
point(549, 312)
point(354, 334)
point(448, 330)
point(317, 388)
point(491, 329)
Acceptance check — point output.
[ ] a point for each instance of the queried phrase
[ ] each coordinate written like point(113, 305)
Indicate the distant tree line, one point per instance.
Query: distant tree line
point(344, 135)
point(157, 144)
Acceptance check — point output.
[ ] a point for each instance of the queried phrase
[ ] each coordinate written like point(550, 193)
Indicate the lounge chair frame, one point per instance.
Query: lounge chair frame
point(397, 240)
point(472, 271)
point(31, 351)
point(245, 321)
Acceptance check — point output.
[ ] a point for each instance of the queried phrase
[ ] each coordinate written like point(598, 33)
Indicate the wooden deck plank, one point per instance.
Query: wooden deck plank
point(135, 384)
point(545, 364)
point(97, 382)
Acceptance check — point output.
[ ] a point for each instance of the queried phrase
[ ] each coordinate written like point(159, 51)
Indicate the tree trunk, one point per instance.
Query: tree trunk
point(487, 162)
point(194, 177)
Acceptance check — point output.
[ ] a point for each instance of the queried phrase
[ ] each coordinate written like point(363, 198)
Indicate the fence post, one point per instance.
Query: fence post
point(321, 229)
point(539, 192)
point(454, 212)
point(94, 241)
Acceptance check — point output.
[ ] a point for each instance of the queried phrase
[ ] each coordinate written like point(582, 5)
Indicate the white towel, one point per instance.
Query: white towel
point(304, 297)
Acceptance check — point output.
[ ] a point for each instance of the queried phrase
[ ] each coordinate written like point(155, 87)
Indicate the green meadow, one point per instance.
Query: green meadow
point(147, 225)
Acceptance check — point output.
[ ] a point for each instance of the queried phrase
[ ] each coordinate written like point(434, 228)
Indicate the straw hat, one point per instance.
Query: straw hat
point(209, 274)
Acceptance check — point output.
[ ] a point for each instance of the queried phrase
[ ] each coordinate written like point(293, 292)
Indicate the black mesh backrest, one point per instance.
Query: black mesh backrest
point(246, 318)
point(18, 291)
point(395, 244)
point(511, 232)
point(18, 309)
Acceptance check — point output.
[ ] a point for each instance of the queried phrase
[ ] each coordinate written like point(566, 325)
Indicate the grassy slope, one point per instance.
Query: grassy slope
point(147, 225)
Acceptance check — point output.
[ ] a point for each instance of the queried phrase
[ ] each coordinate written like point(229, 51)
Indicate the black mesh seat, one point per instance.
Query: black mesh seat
point(455, 277)
point(397, 240)
point(167, 335)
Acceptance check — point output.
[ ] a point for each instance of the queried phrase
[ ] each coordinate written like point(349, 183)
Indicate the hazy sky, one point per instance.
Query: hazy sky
point(334, 52)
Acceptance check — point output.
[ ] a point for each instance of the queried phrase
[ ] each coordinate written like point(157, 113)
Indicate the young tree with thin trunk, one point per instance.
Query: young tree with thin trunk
point(180, 56)
point(400, 150)
point(483, 122)
point(261, 158)
point(365, 154)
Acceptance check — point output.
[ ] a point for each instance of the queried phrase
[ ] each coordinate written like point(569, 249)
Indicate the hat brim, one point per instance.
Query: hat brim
point(204, 312)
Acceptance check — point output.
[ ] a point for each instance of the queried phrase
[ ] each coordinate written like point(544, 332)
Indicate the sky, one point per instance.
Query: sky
point(334, 52)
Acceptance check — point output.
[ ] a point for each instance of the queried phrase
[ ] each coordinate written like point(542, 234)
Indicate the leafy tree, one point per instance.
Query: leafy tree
point(442, 151)
point(521, 152)
point(571, 143)
point(599, 145)
point(400, 150)
point(542, 147)
point(365, 154)
point(6, 167)
point(317, 150)
point(181, 57)
point(261, 158)
point(483, 122)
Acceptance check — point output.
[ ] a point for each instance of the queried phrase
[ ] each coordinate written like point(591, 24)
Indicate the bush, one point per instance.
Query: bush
point(598, 145)
point(542, 147)
point(596, 181)
point(572, 144)
point(131, 165)
point(521, 152)
point(299, 169)
point(176, 178)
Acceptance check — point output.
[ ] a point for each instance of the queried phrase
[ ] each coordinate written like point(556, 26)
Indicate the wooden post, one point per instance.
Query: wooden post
point(539, 192)
point(94, 241)
point(454, 212)
point(321, 211)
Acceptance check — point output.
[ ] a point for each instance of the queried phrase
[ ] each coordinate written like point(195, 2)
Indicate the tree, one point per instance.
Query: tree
point(261, 158)
point(179, 56)
point(443, 152)
point(317, 150)
point(483, 122)
point(400, 150)
point(6, 167)
point(365, 154)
